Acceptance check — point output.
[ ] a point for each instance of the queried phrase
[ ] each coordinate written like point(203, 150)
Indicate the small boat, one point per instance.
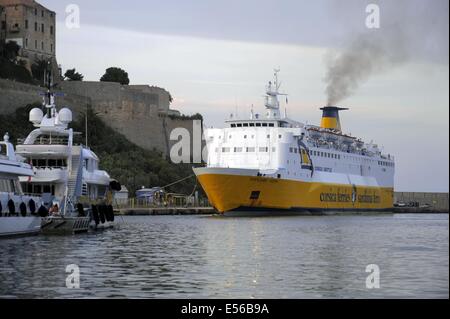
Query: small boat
point(18, 212)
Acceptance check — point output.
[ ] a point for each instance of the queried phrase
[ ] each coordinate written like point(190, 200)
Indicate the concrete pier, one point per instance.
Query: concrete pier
point(425, 203)
point(166, 211)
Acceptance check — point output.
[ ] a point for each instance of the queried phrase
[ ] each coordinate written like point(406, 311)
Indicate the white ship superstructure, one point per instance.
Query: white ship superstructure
point(66, 174)
point(277, 163)
point(62, 169)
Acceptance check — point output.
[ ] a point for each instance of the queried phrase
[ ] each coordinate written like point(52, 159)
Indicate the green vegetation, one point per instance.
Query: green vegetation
point(131, 165)
point(14, 71)
point(11, 50)
point(195, 116)
point(12, 67)
point(17, 124)
point(73, 75)
point(116, 75)
point(38, 70)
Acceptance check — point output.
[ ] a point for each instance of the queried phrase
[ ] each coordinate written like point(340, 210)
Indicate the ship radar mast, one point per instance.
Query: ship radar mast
point(272, 103)
point(52, 120)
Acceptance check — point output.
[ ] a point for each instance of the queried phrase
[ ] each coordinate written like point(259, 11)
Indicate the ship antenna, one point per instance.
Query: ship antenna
point(48, 84)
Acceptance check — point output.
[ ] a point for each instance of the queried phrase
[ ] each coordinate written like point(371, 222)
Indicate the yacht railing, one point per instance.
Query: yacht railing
point(46, 141)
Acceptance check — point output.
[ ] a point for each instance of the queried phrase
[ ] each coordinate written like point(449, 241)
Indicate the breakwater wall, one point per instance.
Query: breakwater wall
point(438, 202)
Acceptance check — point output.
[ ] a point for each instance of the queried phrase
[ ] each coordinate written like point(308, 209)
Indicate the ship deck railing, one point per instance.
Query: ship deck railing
point(178, 202)
point(46, 141)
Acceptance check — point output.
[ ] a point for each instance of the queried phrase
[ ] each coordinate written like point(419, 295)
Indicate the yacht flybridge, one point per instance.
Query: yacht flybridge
point(66, 174)
point(18, 212)
point(275, 163)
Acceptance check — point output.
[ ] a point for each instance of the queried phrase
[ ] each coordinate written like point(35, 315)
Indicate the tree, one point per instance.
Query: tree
point(11, 50)
point(72, 75)
point(116, 75)
point(38, 69)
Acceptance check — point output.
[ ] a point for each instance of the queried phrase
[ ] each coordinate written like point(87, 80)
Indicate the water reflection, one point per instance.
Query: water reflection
point(211, 257)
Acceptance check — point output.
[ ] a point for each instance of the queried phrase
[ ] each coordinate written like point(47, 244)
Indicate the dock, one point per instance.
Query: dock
point(160, 211)
point(418, 210)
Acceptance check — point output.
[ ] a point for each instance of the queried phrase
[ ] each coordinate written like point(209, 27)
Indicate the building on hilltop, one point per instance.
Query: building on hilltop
point(32, 27)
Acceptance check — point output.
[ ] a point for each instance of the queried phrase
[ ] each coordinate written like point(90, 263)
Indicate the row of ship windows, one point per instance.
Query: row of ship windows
point(388, 164)
point(246, 136)
point(253, 125)
point(37, 189)
point(9, 186)
point(291, 150)
point(50, 163)
point(245, 149)
point(325, 154)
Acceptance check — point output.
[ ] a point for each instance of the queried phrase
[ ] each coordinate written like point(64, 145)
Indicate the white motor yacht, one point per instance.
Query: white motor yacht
point(18, 212)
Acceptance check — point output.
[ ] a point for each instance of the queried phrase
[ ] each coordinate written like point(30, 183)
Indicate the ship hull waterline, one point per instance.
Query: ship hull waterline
point(231, 192)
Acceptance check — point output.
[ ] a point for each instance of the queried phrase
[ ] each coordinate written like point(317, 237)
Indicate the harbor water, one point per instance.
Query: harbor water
point(236, 257)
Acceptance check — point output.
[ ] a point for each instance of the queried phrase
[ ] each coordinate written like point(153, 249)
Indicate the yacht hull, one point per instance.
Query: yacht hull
point(19, 226)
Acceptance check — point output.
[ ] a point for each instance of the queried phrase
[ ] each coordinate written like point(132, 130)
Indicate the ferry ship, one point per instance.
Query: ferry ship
point(273, 163)
point(18, 213)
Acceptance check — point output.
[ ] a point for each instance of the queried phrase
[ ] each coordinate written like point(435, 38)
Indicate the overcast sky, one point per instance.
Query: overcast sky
point(215, 57)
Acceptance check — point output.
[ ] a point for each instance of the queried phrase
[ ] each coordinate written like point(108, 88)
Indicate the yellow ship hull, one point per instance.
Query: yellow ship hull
point(228, 192)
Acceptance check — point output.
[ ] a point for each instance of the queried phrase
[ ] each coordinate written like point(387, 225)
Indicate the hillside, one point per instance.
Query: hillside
point(130, 164)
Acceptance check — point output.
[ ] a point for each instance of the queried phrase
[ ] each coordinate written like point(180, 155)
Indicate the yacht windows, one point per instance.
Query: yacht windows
point(225, 149)
point(238, 149)
point(48, 139)
point(250, 149)
point(271, 125)
point(239, 125)
point(245, 125)
point(9, 186)
point(258, 124)
point(252, 124)
point(264, 124)
point(264, 149)
point(37, 189)
point(233, 125)
point(49, 163)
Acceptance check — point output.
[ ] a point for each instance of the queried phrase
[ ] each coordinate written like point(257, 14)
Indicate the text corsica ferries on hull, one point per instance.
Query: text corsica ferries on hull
point(277, 164)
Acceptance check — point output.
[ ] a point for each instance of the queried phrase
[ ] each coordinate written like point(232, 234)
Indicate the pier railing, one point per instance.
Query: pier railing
point(177, 202)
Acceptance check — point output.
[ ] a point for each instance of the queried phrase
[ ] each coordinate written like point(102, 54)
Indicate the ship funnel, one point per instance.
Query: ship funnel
point(330, 117)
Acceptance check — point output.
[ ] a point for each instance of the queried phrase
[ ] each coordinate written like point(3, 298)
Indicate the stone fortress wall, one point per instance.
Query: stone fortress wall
point(142, 113)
